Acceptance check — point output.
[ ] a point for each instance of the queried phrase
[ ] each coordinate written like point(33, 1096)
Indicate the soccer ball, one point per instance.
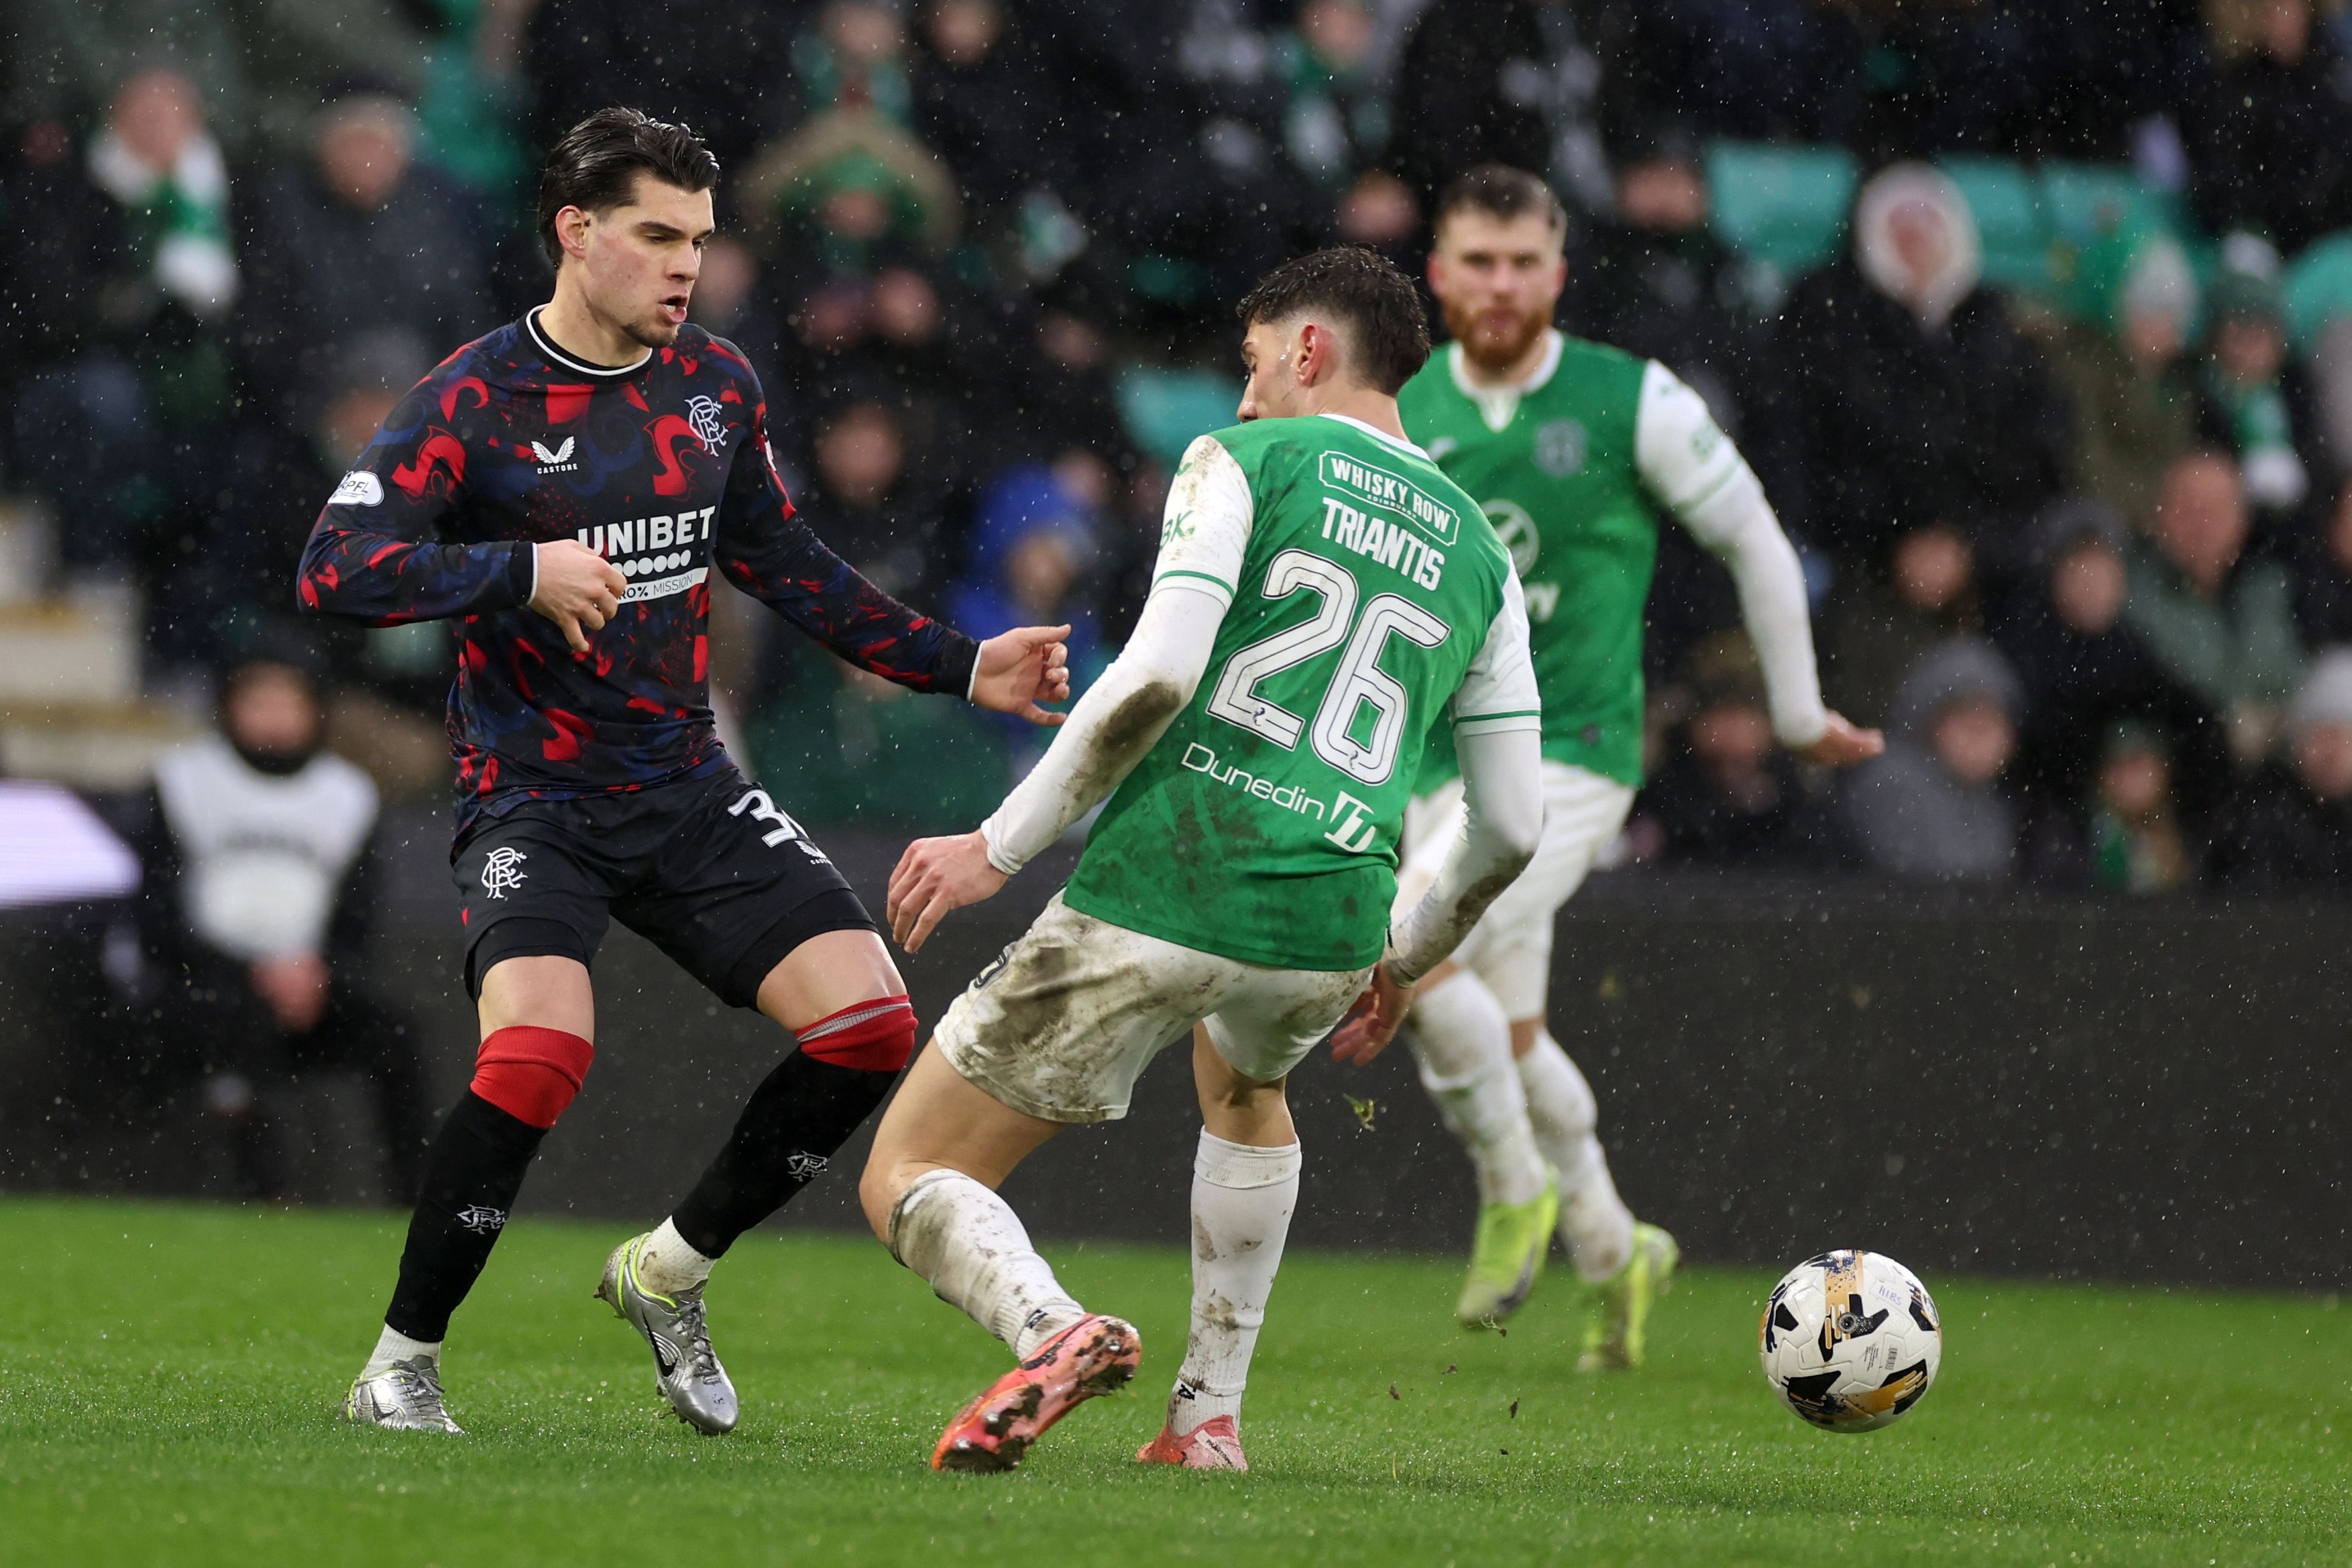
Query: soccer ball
point(1850, 1341)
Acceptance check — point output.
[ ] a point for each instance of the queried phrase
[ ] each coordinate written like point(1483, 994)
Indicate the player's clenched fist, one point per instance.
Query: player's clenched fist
point(579, 590)
point(934, 876)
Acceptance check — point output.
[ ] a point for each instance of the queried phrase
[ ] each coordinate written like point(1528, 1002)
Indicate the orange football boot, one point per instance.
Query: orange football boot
point(1093, 1356)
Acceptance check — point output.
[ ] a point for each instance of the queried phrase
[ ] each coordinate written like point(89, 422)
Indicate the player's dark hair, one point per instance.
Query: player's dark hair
point(596, 166)
point(1378, 304)
point(1502, 191)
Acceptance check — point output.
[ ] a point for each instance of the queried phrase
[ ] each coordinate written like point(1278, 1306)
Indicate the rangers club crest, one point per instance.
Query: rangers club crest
point(702, 413)
point(502, 872)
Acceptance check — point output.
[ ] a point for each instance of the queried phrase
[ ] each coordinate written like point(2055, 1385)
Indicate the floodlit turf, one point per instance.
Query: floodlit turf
point(168, 1374)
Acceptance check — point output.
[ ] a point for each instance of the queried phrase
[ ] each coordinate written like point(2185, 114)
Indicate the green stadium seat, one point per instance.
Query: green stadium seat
point(2082, 202)
point(1169, 280)
point(1165, 409)
point(2008, 209)
point(2319, 288)
point(1783, 205)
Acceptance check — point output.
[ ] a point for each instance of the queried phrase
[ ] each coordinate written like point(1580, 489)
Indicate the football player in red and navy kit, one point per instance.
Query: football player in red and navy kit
point(563, 488)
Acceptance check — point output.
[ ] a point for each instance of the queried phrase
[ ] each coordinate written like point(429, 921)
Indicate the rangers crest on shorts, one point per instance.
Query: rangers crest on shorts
point(499, 875)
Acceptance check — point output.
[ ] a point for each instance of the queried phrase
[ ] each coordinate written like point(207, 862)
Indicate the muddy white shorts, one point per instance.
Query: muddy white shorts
point(1062, 1024)
point(1510, 947)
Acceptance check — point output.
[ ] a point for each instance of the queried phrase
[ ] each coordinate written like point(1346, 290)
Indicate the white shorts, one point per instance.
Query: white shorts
point(1510, 947)
point(1062, 1026)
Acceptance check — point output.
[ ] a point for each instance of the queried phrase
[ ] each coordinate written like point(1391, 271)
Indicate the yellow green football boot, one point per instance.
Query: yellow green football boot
point(1508, 1257)
point(1621, 1304)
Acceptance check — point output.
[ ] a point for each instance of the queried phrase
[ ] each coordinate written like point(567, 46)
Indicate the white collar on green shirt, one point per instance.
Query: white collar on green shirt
point(1378, 434)
point(1498, 405)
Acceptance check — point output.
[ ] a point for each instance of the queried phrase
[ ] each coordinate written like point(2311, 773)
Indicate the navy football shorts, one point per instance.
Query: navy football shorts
point(710, 870)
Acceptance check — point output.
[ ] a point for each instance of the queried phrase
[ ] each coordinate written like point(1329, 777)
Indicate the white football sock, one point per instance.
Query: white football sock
point(396, 1346)
point(971, 1246)
point(666, 1265)
point(1242, 1196)
point(1463, 1043)
point(1593, 1220)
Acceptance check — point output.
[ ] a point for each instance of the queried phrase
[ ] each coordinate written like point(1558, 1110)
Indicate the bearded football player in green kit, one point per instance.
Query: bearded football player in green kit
point(1573, 450)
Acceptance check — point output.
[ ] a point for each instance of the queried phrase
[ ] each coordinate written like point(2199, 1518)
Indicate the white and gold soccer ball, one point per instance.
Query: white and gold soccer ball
point(1851, 1340)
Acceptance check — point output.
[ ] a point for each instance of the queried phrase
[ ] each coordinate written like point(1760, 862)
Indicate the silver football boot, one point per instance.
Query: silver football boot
point(403, 1398)
point(687, 1369)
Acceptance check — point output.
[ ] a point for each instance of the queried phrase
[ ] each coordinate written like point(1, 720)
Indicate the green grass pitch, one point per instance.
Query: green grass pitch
point(168, 1374)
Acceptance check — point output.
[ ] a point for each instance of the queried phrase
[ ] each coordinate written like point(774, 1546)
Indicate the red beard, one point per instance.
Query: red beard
point(1491, 350)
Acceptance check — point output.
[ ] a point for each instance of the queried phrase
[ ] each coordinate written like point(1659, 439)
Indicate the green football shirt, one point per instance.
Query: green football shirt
point(1554, 466)
point(1366, 597)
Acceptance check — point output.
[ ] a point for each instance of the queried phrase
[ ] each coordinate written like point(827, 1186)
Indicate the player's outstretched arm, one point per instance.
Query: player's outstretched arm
point(796, 575)
point(1114, 724)
point(1694, 469)
point(768, 550)
point(783, 564)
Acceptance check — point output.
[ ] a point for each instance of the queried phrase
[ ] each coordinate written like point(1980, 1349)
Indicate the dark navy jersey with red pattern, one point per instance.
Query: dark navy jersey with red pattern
point(662, 466)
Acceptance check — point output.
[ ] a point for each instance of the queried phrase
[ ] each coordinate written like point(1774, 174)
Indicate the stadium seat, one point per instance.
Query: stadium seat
point(2081, 202)
point(2319, 288)
point(1782, 205)
point(2009, 214)
point(1165, 409)
point(1169, 280)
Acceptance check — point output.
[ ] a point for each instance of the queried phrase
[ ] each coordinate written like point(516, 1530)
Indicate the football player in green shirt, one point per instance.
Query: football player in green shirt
point(1574, 450)
point(1323, 596)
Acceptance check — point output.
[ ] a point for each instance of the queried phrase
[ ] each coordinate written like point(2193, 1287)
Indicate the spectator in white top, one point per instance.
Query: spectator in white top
point(254, 910)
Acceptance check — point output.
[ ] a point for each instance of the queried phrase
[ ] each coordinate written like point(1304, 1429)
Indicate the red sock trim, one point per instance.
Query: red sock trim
point(876, 1036)
point(531, 1073)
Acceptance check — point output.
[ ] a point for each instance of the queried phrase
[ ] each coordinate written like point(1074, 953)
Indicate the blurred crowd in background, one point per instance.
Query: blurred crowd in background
point(2035, 319)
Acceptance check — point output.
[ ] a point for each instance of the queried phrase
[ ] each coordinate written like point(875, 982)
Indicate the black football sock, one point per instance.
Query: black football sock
point(794, 1120)
point(471, 1176)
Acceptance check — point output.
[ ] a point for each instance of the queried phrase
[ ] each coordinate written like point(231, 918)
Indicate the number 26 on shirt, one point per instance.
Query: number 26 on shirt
point(1359, 681)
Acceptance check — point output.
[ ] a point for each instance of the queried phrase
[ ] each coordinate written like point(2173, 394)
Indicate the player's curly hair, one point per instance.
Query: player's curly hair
point(596, 166)
point(1385, 323)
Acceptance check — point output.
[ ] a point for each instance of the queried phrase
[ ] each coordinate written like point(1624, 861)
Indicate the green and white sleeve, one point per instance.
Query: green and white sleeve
point(1498, 691)
point(1694, 471)
point(1206, 526)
